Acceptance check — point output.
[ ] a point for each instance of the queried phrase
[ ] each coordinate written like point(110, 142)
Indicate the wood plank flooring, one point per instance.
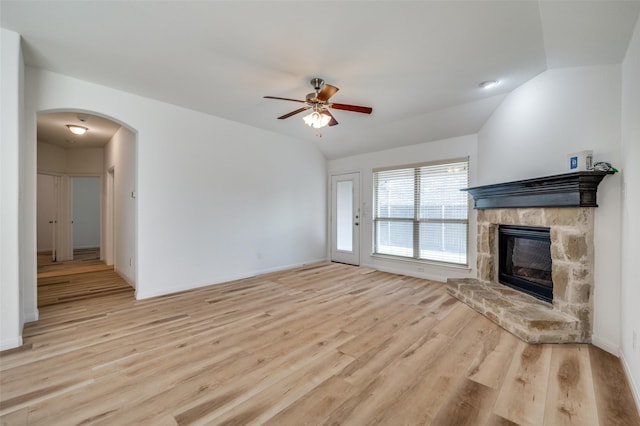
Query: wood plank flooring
point(325, 344)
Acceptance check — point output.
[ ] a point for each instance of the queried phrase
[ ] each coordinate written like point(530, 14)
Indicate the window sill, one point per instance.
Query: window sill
point(444, 265)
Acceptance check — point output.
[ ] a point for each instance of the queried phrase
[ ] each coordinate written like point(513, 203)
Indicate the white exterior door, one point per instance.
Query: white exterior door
point(345, 218)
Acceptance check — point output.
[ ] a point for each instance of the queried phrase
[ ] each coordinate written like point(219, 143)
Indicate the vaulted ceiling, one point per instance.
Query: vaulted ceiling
point(417, 63)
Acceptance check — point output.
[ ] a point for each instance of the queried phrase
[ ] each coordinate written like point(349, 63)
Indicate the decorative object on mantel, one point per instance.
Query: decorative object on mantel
point(577, 189)
point(603, 166)
point(580, 161)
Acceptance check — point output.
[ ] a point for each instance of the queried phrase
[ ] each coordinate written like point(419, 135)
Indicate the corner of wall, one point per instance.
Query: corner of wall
point(31, 316)
point(11, 181)
point(605, 345)
point(635, 389)
point(10, 343)
point(630, 205)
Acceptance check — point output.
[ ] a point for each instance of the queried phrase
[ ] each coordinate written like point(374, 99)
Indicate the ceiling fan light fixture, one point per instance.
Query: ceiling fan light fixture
point(317, 119)
point(77, 130)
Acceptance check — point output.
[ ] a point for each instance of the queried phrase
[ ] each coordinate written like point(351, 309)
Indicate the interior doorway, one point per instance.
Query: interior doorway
point(86, 223)
point(345, 218)
point(66, 160)
point(95, 206)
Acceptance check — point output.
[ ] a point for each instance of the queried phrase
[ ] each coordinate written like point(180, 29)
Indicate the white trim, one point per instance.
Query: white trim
point(414, 261)
point(423, 164)
point(32, 316)
point(222, 280)
point(402, 271)
point(635, 390)
point(124, 277)
point(14, 342)
point(605, 345)
point(352, 257)
point(329, 199)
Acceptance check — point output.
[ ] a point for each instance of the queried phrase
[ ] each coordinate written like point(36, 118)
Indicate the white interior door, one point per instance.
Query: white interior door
point(47, 213)
point(110, 220)
point(345, 218)
point(64, 230)
point(54, 216)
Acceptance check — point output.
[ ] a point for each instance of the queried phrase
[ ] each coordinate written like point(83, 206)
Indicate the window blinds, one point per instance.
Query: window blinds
point(420, 211)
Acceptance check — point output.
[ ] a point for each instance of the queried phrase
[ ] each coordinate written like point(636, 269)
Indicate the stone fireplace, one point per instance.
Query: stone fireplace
point(569, 317)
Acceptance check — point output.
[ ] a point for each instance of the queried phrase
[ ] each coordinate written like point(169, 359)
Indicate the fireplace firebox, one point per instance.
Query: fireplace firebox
point(525, 260)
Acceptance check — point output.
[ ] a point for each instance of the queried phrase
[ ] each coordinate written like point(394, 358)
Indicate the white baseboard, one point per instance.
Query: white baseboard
point(11, 343)
point(632, 384)
point(613, 349)
point(124, 277)
point(32, 316)
point(223, 279)
point(403, 271)
point(605, 345)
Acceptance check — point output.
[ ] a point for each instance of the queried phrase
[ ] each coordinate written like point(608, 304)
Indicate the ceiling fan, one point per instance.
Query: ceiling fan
point(318, 102)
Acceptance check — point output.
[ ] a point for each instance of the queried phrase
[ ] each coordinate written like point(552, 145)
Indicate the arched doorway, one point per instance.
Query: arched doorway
point(92, 211)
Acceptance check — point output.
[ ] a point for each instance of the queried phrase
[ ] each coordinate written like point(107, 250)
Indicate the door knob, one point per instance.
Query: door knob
point(356, 223)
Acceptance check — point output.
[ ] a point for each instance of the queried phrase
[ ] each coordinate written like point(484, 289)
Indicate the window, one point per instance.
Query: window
point(421, 213)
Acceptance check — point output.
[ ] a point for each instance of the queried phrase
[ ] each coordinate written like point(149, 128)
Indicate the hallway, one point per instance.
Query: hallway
point(84, 278)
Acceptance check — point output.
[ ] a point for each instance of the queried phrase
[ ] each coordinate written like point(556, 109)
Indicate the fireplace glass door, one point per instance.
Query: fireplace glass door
point(525, 260)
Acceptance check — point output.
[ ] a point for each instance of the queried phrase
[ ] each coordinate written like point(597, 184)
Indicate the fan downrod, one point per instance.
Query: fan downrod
point(317, 83)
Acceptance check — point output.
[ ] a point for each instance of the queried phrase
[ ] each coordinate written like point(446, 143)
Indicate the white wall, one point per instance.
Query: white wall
point(74, 161)
point(558, 112)
point(630, 167)
point(84, 161)
point(216, 200)
point(51, 158)
point(120, 156)
point(11, 67)
point(464, 146)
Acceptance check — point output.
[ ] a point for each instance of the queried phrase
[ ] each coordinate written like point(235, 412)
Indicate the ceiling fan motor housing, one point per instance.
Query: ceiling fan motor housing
point(317, 83)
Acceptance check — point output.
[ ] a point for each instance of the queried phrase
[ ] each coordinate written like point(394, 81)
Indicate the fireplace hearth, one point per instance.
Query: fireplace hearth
point(562, 206)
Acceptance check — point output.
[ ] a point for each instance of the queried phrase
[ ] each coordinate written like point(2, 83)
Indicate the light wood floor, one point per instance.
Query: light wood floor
point(327, 344)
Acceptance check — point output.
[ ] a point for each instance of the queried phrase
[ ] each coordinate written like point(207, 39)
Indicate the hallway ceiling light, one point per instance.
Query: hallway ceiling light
point(77, 130)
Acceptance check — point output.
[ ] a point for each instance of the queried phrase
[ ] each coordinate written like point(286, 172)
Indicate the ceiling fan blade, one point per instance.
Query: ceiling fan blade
point(333, 120)
point(326, 92)
point(354, 108)
point(293, 113)
point(285, 99)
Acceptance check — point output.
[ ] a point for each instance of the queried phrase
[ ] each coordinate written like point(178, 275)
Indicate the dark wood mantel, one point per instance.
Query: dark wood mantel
point(577, 189)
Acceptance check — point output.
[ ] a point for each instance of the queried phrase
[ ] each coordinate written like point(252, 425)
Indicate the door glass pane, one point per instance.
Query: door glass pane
point(344, 215)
